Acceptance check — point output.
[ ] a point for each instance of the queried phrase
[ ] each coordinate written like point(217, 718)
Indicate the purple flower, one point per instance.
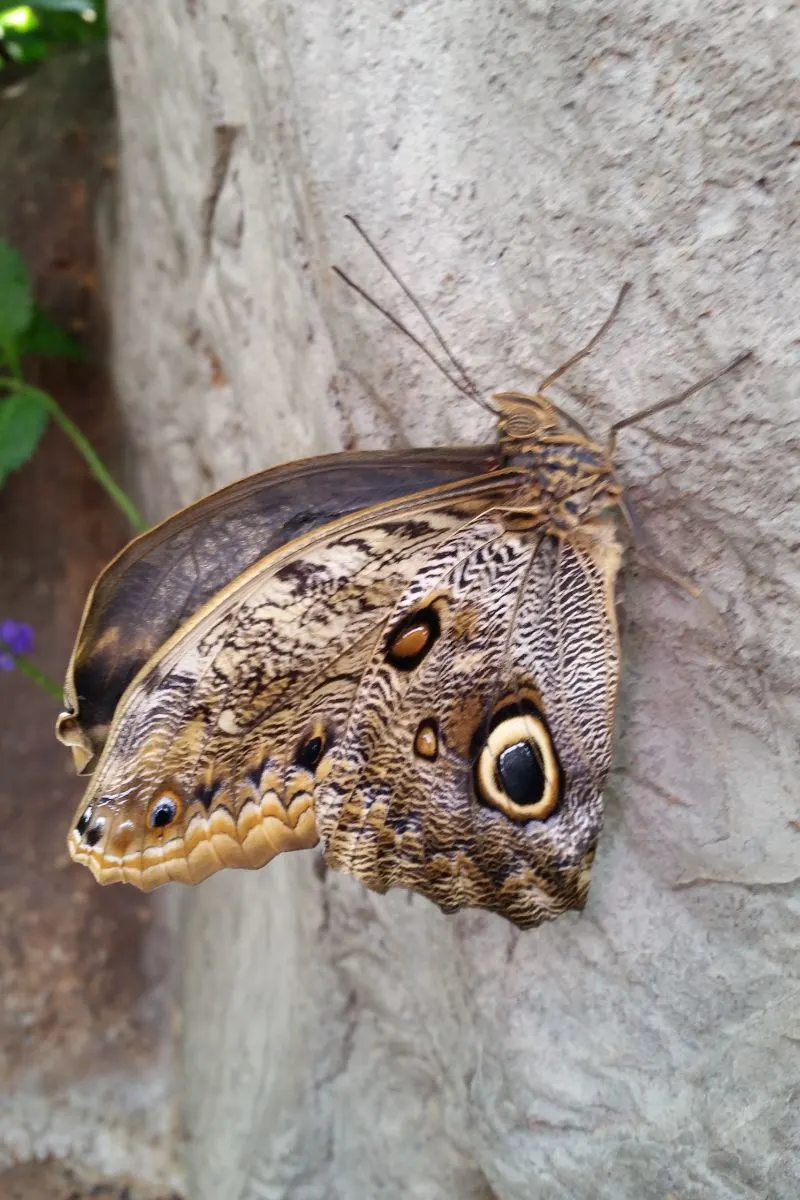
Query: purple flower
point(18, 638)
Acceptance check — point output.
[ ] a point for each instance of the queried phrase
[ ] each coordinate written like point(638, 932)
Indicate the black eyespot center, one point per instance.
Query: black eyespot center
point(85, 821)
point(163, 812)
point(94, 835)
point(311, 749)
point(521, 773)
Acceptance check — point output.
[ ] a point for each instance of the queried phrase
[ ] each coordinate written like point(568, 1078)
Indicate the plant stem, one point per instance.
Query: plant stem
point(28, 668)
point(83, 446)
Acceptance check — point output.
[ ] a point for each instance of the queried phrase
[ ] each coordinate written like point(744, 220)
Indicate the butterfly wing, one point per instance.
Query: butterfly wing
point(472, 770)
point(217, 745)
point(161, 578)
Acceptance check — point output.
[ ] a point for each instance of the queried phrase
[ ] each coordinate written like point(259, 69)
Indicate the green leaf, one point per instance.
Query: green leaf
point(23, 420)
point(43, 336)
point(19, 17)
point(70, 6)
point(25, 48)
point(16, 302)
point(31, 33)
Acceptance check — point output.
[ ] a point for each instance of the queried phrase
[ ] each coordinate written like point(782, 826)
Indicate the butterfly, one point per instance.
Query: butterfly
point(412, 655)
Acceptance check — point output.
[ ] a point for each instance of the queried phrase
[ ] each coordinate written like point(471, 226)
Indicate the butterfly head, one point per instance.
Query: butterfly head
point(575, 474)
point(98, 672)
point(71, 734)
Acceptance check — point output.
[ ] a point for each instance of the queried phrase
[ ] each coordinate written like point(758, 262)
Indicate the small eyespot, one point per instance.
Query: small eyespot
point(309, 754)
point(426, 740)
point(164, 809)
point(312, 746)
point(517, 771)
point(95, 833)
point(85, 821)
point(163, 812)
point(412, 638)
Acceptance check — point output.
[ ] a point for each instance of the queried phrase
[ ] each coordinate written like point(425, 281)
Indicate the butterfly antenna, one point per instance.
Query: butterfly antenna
point(467, 384)
point(423, 312)
point(398, 324)
point(590, 345)
point(705, 382)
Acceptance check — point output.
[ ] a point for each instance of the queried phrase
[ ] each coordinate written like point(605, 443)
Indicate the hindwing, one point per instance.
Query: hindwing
point(474, 775)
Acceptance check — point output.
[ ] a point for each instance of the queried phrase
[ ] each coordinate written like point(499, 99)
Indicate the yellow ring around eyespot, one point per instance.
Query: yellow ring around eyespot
point(522, 728)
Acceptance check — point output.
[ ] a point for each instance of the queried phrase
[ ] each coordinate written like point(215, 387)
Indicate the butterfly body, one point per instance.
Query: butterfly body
point(427, 681)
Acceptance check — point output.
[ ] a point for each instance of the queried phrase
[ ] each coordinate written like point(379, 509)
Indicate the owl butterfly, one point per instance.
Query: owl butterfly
point(413, 655)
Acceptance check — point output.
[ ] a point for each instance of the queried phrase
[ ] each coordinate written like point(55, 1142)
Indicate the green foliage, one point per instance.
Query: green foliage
point(25, 410)
point(21, 423)
point(23, 420)
point(42, 336)
point(16, 301)
point(64, 6)
point(28, 34)
point(33, 31)
point(24, 329)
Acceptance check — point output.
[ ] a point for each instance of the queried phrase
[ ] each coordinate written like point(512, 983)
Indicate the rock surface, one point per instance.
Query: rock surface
point(516, 163)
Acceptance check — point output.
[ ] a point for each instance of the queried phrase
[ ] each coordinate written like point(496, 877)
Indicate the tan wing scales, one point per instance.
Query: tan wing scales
point(214, 750)
point(521, 636)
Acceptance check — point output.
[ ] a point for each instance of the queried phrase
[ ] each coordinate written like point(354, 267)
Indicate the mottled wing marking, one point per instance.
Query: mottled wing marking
point(434, 675)
point(587, 644)
point(216, 718)
point(165, 575)
point(523, 617)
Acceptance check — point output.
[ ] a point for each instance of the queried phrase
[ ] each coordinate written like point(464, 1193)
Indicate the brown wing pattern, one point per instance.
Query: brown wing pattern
point(159, 580)
point(525, 626)
point(429, 681)
point(214, 751)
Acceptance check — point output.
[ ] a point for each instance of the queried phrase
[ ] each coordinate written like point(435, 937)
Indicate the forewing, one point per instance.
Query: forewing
point(163, 577)
point(216, 746)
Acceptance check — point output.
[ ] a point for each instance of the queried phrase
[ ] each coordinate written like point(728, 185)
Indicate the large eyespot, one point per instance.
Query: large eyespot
point(164, 808)
point(412, 638)
point(517, 770)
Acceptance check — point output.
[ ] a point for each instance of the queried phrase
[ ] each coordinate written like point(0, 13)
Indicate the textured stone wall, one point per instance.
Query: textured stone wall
point(517, 162)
